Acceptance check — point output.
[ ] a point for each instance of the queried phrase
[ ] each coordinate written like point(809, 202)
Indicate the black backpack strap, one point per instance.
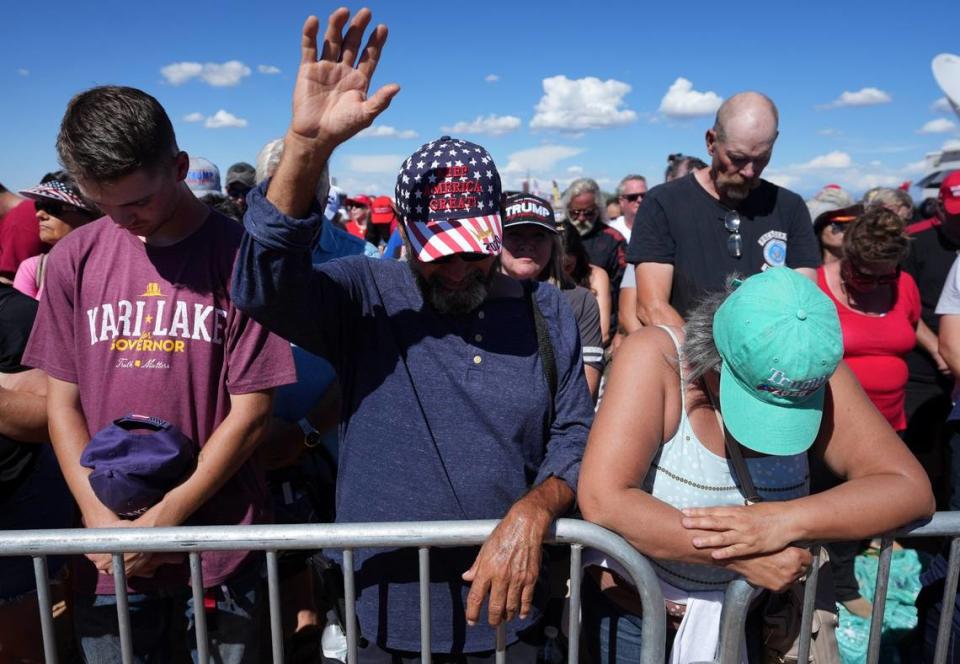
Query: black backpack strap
point(735, 454)
point(545, 347)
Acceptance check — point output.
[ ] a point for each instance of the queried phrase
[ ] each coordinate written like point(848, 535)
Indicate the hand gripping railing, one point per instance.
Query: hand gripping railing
point(739, 593)
point(273, 538)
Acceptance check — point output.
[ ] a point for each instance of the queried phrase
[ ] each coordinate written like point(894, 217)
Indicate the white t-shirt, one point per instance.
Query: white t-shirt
point(629, 277)
point(949, 302)
point(621, 226)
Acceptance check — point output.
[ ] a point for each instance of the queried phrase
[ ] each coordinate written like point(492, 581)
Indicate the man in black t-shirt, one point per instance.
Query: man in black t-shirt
point(691, 233)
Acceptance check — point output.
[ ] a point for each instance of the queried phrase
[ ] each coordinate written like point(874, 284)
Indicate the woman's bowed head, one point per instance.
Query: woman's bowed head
point(756, 366)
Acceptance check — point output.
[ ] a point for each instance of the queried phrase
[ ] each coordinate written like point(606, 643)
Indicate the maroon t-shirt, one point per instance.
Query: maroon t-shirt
point(152, 330)
point(19, 237)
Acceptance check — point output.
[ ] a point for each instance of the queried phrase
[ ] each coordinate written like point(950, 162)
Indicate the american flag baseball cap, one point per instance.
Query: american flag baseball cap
point(448, 196)
point(58, 191)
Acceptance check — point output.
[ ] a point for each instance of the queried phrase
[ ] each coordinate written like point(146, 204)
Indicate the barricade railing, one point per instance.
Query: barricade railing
point(347, 537)
point(739, 594)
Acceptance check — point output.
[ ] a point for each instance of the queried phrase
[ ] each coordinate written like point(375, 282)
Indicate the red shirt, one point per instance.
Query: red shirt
point(19, 237)
point(875, 347)
point(354, 229)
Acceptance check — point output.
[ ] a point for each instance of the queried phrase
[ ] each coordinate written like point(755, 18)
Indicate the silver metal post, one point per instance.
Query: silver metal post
point(199, 610)
point(46, 609)
point(880, 598)
point(123, 609)
point(809, 599)
point(276, 614)
point(733, 620)
point(350, 609)
point(501, 655)
point(944, 631)
point(425, 639)
point(576, 579)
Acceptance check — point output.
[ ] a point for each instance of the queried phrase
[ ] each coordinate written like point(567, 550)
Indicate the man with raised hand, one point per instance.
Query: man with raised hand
point(443, 347)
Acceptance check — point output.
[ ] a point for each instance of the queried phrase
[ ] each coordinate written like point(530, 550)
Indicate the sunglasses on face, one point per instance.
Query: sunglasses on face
point(467, 257)
point(731, 222)
point(586, 213)
point(58, 208)
point(857, 277)
point(238, 191)
point(633, 198)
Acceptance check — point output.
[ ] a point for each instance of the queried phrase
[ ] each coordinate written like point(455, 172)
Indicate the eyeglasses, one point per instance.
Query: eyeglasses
point(468, 257)
point(238, 190)
point(734, 242)
point(633, 198)
point(585, 213)
point(838, 226)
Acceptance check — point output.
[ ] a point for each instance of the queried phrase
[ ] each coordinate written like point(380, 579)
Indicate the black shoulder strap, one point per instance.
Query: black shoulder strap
point(545, 346)
point(740, 470)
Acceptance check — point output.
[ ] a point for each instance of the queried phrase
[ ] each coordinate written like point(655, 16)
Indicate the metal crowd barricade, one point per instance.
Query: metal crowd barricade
point(348, 537)
point(739, 594)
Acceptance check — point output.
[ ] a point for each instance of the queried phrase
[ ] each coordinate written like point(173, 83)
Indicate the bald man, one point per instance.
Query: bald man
point(692, 232)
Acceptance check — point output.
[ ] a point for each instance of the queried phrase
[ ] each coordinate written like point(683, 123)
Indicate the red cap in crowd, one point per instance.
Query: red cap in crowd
point(361, 199)
point(383, 210)
point(950, 193)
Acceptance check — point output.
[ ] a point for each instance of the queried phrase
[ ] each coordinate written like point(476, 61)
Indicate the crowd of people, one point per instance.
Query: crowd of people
point(712, 367)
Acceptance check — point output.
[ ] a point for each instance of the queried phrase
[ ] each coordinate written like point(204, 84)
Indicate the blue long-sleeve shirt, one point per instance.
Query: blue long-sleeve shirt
point(445, 417)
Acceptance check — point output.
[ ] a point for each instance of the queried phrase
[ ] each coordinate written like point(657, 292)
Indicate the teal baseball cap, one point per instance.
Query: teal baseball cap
point(779, 339)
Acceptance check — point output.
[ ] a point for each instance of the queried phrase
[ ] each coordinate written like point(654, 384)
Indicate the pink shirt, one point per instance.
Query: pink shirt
point(26, 279)
point(152, 330)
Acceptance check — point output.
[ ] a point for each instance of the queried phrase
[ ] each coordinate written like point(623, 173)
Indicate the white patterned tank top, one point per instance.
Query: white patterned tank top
point(684, 473)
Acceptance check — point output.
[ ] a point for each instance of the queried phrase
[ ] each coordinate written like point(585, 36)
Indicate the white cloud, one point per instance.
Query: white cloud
point(539, 159)
point(218, 75)
point(491, 78)
point(494, 125)
point(222, 119)
point(194, 117)
point(938, 126)
point(782, 179)
point(23, 72)
point(682, 101)
point(862, 97)
point(386, 131)
point(835, 159)
point(941, 106)
point(574, 170)
point(952, 144)
point(864, 181)
point(829, 132)
point(268, 69)
point(375, 163)
point(585, 103)
point(916, 167)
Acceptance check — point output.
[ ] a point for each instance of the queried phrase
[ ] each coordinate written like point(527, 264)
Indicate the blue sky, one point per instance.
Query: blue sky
point(852, 81)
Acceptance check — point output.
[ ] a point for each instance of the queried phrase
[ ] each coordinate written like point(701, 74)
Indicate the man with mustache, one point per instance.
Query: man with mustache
point(692, 232)
point(445, 348)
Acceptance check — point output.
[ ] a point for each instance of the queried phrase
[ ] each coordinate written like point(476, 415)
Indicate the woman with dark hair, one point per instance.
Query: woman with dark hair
point(576, 264)
point(533, 249)
point(879, 307)
point(61, 207)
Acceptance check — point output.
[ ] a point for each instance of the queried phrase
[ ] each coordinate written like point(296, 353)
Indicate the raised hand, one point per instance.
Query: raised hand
point(330, 99)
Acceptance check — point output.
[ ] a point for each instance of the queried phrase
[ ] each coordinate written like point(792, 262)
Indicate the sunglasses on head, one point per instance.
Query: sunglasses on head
point(467, 257)
point(633, 198)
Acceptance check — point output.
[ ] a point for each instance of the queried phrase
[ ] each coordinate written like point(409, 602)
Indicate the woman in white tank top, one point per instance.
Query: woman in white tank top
point(767, 356)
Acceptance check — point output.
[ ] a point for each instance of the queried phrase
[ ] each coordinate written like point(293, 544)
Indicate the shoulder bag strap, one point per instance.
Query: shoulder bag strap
point(545, 346)
point(740, 470)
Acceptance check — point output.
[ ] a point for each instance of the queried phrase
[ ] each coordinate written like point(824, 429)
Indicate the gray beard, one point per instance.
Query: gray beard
point(454, 303)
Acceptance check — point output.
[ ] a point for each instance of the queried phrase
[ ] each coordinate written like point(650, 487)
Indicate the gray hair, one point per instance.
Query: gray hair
point(699, 353)
point(585, 186)
point(884, 196)
point(627, 179)
point(268, 158)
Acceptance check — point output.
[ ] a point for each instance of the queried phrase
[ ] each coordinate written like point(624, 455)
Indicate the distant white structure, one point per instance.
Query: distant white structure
point(946, 71)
